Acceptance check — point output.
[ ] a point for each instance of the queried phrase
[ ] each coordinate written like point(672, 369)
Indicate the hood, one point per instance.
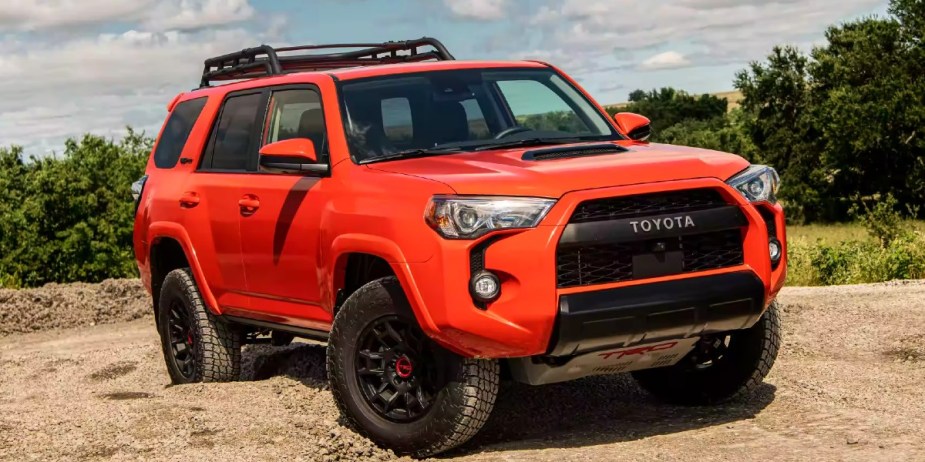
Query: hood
point(503, 172)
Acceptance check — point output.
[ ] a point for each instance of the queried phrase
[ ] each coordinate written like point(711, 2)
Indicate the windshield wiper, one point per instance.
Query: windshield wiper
point(412, 153)
point(528, 142)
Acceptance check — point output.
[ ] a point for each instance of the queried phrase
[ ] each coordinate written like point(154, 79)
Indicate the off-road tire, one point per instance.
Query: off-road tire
point(216, 345)
point(459, 409)
point(750, 356)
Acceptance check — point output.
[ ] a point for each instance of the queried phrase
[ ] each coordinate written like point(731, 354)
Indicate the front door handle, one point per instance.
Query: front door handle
point(249, 204)
point(189, 199)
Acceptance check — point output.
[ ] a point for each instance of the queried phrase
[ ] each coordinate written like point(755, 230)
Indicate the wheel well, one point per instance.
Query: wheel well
point(166, 256)
point(361, 268)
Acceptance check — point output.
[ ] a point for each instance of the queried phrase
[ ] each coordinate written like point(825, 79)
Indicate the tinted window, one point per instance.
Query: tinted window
point(478, 127)
point(234, 135)
point(176, 131)
point(536, 106)
point(465, 109)
point(296, 114)
point(396, 119)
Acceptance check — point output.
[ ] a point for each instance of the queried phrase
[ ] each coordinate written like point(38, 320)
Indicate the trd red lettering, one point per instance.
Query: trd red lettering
point(638, 350)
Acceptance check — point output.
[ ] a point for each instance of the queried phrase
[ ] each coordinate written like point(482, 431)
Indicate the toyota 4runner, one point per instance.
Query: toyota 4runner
point(442, 224)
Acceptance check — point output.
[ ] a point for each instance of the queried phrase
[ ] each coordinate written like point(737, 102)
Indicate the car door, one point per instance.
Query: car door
point(279, 235)
point(214, 192)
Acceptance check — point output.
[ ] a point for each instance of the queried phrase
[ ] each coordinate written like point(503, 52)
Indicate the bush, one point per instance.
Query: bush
point(856, 262)
point(69, 218)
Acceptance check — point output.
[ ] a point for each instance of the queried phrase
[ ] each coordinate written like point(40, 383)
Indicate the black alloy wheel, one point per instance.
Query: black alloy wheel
point(182, 341)
point(397, 370)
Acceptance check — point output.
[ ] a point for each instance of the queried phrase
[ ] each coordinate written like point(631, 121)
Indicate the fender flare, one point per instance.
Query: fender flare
point(162, 229)
point(387, 250)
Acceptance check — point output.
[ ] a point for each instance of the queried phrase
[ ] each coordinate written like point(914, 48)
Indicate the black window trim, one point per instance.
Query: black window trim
point(253, 161)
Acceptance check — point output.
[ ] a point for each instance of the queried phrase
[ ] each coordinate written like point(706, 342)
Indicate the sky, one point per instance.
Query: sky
point(70, 67)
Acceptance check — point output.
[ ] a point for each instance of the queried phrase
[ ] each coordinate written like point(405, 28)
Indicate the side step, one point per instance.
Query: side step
point(311, 334)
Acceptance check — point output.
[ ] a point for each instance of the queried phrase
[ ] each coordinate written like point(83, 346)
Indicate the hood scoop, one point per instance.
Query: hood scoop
point(568, 152)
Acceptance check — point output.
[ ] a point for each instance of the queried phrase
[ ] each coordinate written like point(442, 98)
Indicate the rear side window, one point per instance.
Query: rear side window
point(235, 134)
point(176, 132)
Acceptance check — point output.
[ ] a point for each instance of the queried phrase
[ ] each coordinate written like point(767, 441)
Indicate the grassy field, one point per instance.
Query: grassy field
point(833, 234)
point(847, 254)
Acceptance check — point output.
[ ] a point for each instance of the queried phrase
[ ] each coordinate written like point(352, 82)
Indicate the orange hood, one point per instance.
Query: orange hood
point(503, 172)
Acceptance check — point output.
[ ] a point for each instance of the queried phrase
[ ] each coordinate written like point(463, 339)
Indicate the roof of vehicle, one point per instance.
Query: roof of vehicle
point(389, 69)
point(267, 65)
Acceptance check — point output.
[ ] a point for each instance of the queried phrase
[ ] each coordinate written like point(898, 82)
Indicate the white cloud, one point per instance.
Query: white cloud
point(192, 15)
point(44, 14)
point(32, 15)
point(721, 31)
point(666, 60)
point(479, 10)
point(61, 78)
point(101, 84)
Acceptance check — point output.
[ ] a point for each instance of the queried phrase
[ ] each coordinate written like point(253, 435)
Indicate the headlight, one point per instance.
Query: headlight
point(456, 217)
point(758, 183)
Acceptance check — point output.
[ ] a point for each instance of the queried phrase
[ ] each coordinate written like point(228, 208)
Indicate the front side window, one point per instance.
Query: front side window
point(444, 112)
point(176, 132)
point(296, 113)
point(232, 141)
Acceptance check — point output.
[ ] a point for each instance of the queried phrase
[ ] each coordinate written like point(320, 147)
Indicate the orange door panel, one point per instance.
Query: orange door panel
point(279, 218)
point(209, 207)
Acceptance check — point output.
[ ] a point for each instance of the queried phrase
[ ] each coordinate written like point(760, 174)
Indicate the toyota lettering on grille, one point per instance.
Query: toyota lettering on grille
point(658, 224)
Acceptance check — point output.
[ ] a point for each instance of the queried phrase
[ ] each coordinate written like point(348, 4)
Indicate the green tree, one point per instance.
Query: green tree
point(869, 107)
point(667, 107)
point(70, 218)
point(844, 123)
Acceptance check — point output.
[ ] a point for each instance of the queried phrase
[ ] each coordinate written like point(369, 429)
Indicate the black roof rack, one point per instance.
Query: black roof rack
point(265, 60)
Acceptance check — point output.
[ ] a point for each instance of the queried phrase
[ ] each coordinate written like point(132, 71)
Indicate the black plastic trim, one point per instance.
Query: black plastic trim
point(669, 225)
point(568, 152)
point(477, 265)
point(264, 60)
point(313, 334)
point(684, 308)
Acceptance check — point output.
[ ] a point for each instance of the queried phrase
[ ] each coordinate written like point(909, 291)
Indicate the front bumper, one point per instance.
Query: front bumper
point(646, 313)
point(527, 319)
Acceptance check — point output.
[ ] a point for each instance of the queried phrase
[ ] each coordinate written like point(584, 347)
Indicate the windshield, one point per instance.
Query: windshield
point(443, 112)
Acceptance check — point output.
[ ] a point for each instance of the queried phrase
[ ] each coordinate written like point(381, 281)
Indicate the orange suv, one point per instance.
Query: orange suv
point(445, 224)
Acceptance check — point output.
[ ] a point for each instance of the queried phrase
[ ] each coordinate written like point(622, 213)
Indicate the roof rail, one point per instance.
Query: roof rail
point(265, 60)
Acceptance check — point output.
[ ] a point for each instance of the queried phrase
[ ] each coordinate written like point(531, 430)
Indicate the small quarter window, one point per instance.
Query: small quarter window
point(176, 132)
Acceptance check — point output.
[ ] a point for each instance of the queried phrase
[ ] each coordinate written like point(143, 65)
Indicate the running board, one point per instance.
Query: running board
point(303, 332)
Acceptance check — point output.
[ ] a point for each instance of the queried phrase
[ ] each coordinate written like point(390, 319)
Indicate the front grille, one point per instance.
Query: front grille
point(613, 208)
point(602, 264)
point(582, 265)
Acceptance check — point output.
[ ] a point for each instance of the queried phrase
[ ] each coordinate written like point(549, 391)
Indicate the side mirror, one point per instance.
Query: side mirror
point(635, 126)
point(292, 155)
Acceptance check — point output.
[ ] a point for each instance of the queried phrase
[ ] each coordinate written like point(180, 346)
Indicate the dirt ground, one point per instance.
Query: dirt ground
point(849, 385)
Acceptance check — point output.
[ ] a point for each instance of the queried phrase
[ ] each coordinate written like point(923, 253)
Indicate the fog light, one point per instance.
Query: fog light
point(774, 250)
point(485, 286)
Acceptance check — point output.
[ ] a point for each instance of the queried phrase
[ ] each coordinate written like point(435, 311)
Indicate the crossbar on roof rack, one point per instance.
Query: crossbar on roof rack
point(265, 60)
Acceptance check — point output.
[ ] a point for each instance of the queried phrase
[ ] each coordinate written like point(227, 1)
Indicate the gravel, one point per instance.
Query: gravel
point(849, 384)
point(72, 305)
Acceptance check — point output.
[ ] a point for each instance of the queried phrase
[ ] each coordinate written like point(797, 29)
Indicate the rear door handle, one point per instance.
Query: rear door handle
point(249, 204)
point(189, 199)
